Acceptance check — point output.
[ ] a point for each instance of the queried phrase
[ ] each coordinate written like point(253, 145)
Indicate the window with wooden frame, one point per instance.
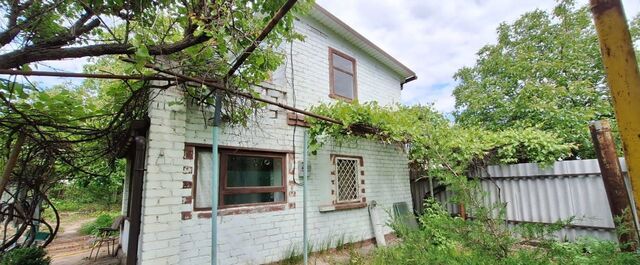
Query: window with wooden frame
point(246, 178)
point(347, 184)
point(342, 75)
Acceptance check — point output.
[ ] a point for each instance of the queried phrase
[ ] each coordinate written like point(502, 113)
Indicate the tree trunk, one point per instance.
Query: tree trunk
point(11, 163)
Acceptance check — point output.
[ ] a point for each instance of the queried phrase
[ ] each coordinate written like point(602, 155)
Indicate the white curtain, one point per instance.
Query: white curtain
point(203, 182)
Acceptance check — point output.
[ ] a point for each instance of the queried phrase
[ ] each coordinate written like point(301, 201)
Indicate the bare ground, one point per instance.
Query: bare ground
point(356, 253)
point(71, 248)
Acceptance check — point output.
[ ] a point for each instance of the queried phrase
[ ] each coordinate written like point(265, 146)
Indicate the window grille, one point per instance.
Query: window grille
point(347, 179)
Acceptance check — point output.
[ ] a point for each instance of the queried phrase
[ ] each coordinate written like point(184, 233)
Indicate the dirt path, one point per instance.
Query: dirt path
point(352, 255)
point(358, 253)
point(71, 248)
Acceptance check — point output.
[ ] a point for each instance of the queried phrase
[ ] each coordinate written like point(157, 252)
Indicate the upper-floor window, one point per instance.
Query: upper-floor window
point(342, 74)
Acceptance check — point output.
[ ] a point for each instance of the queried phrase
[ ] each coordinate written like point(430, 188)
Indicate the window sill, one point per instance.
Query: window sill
point(336, 96)
point(244, 210)
point(342, 207)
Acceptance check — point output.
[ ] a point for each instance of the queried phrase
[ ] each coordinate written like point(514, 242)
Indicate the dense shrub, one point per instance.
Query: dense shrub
point(91, 193)
point(443, 239)
point(26, 256)
point(103, 220)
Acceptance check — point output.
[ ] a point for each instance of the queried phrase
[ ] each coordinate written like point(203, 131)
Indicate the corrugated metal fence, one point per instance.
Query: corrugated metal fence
point(535, 194)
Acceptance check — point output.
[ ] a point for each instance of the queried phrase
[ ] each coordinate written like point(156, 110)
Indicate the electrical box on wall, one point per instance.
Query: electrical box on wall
point(301, 170)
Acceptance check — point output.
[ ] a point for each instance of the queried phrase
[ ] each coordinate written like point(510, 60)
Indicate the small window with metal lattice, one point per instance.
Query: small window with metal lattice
point(347, 179)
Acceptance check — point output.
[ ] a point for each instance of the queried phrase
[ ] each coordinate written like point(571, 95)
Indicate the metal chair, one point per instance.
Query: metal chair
point(109, 236)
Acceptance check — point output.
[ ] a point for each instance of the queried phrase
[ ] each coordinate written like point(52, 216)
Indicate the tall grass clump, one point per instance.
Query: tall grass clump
point(446, 239)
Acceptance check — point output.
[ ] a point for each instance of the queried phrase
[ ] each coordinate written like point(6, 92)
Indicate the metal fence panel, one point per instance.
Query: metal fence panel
point(537, 194)
point(566, 189)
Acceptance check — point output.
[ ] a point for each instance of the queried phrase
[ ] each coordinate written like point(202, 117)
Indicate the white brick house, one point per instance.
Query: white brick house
point(260, 215)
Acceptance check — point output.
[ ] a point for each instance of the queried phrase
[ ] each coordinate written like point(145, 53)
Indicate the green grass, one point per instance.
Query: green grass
point(341, 243)
point(443, 239)
point(103, 220)
point(355, 258)
point(25, 256)
point(293, 256)
point(71, 210)
point(74, 206)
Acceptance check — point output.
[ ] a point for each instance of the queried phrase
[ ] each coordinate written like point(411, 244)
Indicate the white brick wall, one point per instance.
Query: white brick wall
point(251, 238)
point(375, 82)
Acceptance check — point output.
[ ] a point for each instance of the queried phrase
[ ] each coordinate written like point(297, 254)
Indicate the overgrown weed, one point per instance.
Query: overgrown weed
point(446, 239)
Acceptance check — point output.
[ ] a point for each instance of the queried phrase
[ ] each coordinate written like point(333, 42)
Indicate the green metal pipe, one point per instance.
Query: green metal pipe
point(305, 232)
point(215, 172)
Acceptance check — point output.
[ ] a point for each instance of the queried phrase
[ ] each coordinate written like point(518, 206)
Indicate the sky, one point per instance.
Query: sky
point(433, 38)
point(436, 38)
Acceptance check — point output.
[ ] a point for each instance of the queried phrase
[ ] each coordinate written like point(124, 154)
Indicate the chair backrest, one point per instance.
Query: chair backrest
point(117, 222)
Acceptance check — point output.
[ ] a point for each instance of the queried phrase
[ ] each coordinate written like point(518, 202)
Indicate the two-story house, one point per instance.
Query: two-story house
point(260, 207)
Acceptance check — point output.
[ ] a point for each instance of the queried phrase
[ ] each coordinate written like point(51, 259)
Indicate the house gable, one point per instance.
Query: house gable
point(176, 231)
point(343, 30)
point(309, 63)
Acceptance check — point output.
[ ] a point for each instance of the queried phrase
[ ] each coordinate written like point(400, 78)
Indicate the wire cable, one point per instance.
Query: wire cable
point(293, 95)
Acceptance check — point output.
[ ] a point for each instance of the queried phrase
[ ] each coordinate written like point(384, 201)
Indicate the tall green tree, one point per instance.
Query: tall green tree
point(545, 72)
point(57, 29)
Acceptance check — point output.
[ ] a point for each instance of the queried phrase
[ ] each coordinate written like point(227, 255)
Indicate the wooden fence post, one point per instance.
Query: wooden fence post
point(614, 182)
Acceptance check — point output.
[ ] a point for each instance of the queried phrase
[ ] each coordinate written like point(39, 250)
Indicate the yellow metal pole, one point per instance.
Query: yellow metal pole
point(621, 66)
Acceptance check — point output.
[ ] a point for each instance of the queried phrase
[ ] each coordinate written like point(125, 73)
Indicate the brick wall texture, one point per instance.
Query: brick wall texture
point(174, 233)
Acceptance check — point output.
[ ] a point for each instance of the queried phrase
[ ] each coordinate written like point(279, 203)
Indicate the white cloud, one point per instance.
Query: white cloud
point(435, 38)
point(75, 65)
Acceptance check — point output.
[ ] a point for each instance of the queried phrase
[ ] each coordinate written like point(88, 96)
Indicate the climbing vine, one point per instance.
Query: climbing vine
point(433, 142)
